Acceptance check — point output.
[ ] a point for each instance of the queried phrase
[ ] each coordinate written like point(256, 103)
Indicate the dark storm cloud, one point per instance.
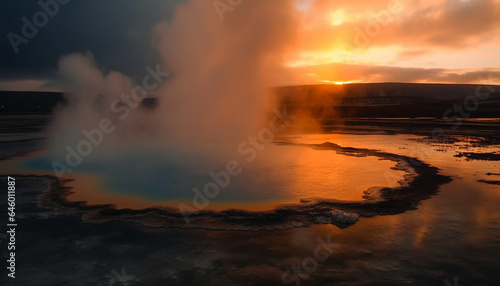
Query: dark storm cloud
point(117, 32)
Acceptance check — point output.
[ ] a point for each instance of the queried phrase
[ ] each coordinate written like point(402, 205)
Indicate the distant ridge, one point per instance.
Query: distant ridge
point(390, 99)
point(434, 91)
point(39, 101)
point(29, 101)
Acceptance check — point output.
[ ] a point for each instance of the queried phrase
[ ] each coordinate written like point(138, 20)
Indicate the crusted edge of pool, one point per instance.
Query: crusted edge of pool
point(420, 183)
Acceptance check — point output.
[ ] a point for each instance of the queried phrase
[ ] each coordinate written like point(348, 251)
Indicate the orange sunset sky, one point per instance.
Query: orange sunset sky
point(452, 41)
point(341, 41)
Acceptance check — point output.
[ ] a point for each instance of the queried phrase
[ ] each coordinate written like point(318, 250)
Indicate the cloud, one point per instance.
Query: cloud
point(407, 29)
point(429, 34)
point(412, 53)
point(217, 97)
point(117, 32)
point(29, 85)
point(446, 23)
point(373, 73)
point(222, 69)
point(451, 24)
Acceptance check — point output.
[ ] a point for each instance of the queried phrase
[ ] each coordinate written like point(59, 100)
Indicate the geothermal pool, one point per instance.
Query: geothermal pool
point(453, 233)
point(279, 174)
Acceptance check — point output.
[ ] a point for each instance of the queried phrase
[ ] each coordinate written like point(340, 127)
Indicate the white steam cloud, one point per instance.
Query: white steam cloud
point(217, 95)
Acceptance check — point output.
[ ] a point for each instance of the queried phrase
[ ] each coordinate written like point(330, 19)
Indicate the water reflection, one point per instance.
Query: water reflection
point(454, 234)
point(280, 174)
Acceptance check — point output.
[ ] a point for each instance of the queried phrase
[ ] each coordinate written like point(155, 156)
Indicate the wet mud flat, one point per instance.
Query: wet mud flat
point(434, 228)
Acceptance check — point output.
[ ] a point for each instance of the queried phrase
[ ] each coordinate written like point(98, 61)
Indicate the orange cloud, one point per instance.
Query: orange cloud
point(428, 40)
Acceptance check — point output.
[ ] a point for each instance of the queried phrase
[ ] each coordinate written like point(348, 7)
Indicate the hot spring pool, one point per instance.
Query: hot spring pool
point(279, 174)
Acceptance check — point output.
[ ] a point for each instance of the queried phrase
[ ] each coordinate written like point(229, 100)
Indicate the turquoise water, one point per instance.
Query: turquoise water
point(279, 174)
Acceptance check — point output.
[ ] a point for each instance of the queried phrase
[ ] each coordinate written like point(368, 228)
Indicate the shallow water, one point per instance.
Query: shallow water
point(441, 155)
point(280, 174)
point(454, 234)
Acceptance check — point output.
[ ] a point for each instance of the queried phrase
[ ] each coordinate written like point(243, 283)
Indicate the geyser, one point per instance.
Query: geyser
point(217, 95)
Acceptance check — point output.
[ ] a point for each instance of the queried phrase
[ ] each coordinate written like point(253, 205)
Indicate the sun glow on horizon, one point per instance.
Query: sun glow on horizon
point(338, 82)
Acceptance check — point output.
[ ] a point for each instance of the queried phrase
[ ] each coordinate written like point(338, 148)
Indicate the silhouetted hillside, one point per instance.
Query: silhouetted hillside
point(23, 101)
point(334, 101)
point(391, 100)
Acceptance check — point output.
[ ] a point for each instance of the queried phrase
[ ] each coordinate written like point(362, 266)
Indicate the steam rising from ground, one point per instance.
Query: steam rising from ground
point(217, 94)
point(223, 70)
